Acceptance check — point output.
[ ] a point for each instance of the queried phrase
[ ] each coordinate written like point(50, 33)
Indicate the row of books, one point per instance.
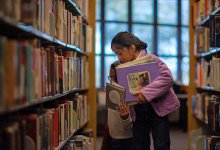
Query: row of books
point(200, 103)
point(206, 108)
point(44, 128)
point(80, 142)
point(29, 72)
point(207, 38)
point(50, 17)
point(202, 8)
point(200, 139)
point(208, 73)
point(206, 142)
point(212, 142)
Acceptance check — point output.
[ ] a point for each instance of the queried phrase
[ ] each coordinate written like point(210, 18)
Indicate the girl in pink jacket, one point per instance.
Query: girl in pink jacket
point(155, 101)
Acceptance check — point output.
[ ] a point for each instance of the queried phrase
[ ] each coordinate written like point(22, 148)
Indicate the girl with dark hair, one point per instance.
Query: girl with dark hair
point(119, 122)
point(155, 100)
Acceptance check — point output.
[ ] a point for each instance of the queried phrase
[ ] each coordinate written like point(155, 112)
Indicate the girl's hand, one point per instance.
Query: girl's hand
point(124, 111)
point(141, 98)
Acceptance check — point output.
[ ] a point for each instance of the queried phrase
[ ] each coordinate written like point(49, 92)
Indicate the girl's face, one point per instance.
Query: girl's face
point(125, 54)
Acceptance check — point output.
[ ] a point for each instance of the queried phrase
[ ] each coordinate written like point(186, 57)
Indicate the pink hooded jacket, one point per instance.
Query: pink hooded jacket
point(160, 93)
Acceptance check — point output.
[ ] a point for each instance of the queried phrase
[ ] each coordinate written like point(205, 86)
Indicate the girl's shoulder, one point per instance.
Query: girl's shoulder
point(153, 56)
point(160, 62)
point(156, 58)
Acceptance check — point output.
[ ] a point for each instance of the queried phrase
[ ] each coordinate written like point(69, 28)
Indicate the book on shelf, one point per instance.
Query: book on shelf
point(135, 75)
point(11, 135)
point(55, 125)
point(213, 142)
point(202, 38)
point(88, 39)
point(215, 73)
point(213, 113)
point(82, 142)
point(214, 22)
point(33, 132)
point(61, 73)
point(115, 94)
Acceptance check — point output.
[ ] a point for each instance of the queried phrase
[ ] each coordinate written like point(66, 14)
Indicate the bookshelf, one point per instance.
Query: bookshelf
point(47, 76)
point(204, 86)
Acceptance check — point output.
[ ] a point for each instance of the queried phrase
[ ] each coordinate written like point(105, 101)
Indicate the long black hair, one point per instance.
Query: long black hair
point(125, 39)
point(113, 66)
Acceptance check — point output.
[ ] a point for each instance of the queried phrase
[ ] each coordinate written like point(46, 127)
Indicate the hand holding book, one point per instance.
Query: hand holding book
point(124, 111)
point(135, 75)
point(140, 97)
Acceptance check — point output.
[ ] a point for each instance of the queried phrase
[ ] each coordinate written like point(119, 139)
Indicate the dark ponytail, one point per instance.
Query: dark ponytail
point(125, 39)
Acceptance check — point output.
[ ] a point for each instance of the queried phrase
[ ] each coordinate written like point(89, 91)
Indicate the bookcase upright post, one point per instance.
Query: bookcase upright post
point(192, 122)
point(92, 91)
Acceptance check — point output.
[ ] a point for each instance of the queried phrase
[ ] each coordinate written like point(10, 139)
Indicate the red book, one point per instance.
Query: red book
point(56, 127)
point(43, 82)
point(33, 130)
point(52, 69)
point(61, 72)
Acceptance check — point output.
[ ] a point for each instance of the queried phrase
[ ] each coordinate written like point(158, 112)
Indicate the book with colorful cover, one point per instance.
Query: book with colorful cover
point(115, 94)
point(134, 77)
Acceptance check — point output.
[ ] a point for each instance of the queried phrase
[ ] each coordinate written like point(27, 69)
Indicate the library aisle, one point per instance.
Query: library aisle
point(177, 135)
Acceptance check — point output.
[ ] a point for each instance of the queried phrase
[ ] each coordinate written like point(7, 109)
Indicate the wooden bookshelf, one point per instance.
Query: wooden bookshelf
point(208, 89)
point(39, 101)
point(209, 54)
point(201, 89)
point(205, 22)
point(77, 95)
point(20, 30)
point(61, 144)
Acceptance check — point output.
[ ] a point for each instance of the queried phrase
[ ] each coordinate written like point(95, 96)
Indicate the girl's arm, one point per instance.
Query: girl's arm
point(125, 116)
point(160, 85)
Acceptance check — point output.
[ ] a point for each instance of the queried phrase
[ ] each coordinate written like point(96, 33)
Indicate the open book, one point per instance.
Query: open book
point(135, 75)
point(115, 94)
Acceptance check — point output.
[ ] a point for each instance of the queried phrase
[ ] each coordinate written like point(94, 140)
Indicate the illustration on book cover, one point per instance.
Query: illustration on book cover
point(115, 94)
point(114, 97)
point(137, 80)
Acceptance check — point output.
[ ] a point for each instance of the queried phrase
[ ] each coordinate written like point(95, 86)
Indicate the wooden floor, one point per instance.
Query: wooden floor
point(178, 137)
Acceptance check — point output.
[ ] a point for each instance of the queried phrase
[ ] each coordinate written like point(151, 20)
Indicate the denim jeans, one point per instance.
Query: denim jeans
point(122, 144)
point(148, 121)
